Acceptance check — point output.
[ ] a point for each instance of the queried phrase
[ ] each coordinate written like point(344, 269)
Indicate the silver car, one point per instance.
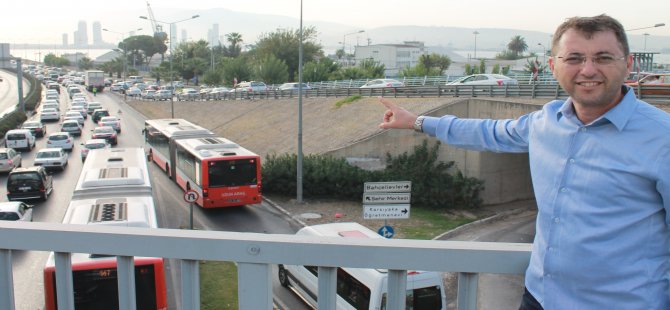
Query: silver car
point(16, 211)
point(9, 159)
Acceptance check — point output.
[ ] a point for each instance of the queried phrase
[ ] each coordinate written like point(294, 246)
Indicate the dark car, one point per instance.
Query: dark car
point(99, 113)
point(38, 128)
point(29, 183)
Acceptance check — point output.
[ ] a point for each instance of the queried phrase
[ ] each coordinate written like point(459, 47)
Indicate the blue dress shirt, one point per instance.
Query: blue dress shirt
point(603, 194)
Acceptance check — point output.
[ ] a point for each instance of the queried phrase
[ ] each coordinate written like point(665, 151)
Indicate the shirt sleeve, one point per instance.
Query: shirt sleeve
point(508, 135)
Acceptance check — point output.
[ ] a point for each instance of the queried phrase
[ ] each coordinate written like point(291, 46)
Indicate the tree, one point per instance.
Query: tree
point(517, 45)
point(234, 49)
point(320, 70)
point(212, 77)
point(55, 61)
point(372, 68)
point(272, 70)
point(85, 63)
point(236, 68)
point(284, 44)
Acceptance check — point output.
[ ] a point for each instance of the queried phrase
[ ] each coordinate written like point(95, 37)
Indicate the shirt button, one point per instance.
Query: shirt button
point(556, 220)
point(563, 189)
point(582, 129)
point(572, 160)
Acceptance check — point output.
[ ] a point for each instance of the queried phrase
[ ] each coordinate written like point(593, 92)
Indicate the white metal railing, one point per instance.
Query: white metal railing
point(254, 255)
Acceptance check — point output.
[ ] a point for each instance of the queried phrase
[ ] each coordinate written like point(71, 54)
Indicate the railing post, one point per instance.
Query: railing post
point(251, 295)
point(327, 299)
point(397, 285)
point(64, 283)
point(190, 285)
point(6, 280)
point(467, 291)
point(126, 282)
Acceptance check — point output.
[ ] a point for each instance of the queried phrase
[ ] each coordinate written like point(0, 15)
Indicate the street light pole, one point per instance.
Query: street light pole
point(645, 41)
point(344, 40)
point(475, 33)
point(544, 56)
point(171, 24)
point(654, 26)
point(124, 36)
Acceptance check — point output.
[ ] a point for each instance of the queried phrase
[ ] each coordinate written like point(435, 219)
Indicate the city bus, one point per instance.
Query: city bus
point(361, 288)
point(113, 189)
point(223, 173)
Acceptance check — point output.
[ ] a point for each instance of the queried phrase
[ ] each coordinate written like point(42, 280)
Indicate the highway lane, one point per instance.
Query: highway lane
point(9, 95)
point(172, 211)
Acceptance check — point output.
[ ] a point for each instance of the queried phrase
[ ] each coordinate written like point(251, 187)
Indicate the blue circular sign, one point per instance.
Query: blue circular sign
point(386, 231)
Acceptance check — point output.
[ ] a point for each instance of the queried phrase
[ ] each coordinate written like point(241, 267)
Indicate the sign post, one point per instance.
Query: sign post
point(386, 200)
point(191, 197)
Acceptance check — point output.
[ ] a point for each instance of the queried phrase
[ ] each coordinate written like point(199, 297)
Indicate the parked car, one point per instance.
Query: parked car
point(9, 159)
point(72, 126)
point(92, 144)
point(20, 139)
point(163, 94)
point(29, 183)
point(60, 139)
point(653, 84)
point(485, 79)
point(111, 121)
point(188, 94)
point(218, 93)
point(16, 211)
point(51, 158)
point(383, 83)
point(292, 87)
point(49, 114)
point(98, 114)
point(250, 87)
point(105, 132)
point(37, 128)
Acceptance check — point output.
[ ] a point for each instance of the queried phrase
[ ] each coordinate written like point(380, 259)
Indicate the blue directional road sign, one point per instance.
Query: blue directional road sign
point(386, 231)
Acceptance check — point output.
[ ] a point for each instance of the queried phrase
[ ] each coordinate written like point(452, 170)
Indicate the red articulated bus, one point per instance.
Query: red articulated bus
point(223, 173)
point(114, 189)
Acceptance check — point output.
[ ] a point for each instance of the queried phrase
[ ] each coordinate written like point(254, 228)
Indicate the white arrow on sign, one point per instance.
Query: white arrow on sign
point(388, 187)
point(386, 212)
point(191, 196)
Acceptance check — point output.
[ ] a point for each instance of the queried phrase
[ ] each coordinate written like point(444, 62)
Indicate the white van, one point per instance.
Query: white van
point(20, 139)
point(361, 288)
point(136, 79)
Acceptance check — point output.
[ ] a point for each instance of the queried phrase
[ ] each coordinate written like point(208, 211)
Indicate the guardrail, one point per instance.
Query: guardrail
point(254, 255)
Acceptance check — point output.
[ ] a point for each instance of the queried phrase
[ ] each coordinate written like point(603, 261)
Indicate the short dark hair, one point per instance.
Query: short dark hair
point(590, 25)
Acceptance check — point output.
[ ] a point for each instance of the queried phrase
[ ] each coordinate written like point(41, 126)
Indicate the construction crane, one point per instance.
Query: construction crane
point(158, 28)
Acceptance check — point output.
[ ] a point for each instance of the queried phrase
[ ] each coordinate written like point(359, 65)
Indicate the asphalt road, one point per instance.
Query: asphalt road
point(9, 95)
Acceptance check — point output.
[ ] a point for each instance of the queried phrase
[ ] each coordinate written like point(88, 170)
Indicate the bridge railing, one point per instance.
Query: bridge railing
point(254, 255)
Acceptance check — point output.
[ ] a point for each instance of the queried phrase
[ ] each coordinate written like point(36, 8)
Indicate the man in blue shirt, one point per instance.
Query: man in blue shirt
point(600, 165)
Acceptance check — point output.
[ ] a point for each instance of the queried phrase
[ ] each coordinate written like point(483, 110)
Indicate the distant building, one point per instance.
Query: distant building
point(394, 57)
point(97, 33)
point(213, 35)
point(81, 35)
point(65, 42)
point(184, 36)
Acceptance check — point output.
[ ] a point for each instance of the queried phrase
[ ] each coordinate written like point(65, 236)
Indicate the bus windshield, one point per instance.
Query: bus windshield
point(232, 172)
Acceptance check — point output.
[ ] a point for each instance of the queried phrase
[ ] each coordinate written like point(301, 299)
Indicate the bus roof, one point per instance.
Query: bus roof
point(178, 128)
point(208, 147)
point(113, 172)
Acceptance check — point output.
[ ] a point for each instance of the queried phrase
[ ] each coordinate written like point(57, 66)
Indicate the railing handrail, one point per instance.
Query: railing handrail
point(255, 253)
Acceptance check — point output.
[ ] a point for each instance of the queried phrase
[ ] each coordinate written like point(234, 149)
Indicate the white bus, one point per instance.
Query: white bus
point(361, 288)
point(113, 189)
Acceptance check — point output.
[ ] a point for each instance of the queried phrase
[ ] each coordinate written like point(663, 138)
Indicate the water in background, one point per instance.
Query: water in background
point(38, 54)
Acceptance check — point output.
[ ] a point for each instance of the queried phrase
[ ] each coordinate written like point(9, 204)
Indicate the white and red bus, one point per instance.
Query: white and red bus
point(113, 189)
point(222, 172)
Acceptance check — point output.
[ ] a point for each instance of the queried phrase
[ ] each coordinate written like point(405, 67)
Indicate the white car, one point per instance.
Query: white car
point(92, 106)
point(111, 121)
point(383, 83)
point(50, 103)
point(9, 159)
point(485, 79)
point(51, 158)
point(49, 114)
point(79, 109)
point(134, 91)
point(72, 126)
point(60, 139)
point(74, 115)
point(16, 211)
point(93, 144)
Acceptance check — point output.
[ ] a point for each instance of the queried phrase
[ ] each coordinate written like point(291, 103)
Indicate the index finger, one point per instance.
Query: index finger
point(387, 103)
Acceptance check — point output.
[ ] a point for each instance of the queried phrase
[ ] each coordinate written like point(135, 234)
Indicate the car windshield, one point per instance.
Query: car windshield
point(48, 154)
point(58, 137)
point(31, 125)
point(3, 156)
point(70, 124)
point(93, 146)
point(9, 216)
point(16, 136)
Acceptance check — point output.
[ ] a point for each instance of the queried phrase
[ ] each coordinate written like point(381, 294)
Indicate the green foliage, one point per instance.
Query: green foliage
point(350, 73)
point(496, 69)
point(507, 55)
point(372, 68)
point(468, 69)
point(324, 176)
point(531, 64)
point(213, 77)
point(272, 70)
point(236, 68)
point(12, 120)
point(482, 66)
point(517, 45)
point(347, 100)
point(55, 61)
point(284, 45)
point(322, 70)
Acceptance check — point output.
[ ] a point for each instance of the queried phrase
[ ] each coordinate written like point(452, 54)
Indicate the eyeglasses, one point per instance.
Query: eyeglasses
point(578, 60)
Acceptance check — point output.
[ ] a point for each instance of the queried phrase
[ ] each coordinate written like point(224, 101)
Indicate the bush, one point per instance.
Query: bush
point(325, 176)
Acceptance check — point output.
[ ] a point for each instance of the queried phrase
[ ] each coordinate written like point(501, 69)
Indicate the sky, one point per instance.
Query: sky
point(44, 21)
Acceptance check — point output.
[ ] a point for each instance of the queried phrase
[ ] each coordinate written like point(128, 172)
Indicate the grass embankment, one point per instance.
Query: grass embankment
point(218, 280)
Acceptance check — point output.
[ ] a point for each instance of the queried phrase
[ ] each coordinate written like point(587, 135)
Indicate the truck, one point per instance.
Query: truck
point(94, 79)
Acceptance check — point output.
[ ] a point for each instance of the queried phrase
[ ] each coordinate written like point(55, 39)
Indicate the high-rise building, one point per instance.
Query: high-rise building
point(81, 36)
point(184, 36)
point(213, 35)
point(65, 40)
point(173, 34)
point(97, 33)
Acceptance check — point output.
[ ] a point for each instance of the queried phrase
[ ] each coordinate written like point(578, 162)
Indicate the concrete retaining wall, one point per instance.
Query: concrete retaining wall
point(506, 176)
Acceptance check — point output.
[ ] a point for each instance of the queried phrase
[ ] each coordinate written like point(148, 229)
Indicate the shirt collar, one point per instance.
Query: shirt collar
point(618, 116)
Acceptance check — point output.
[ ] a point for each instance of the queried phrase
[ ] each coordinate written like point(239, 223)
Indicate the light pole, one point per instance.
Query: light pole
point(654, 26)
point(171, 24)
point(544, 56)
point(124, 35)
point(475, 33)
point(645, 41)
point(344, 40)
